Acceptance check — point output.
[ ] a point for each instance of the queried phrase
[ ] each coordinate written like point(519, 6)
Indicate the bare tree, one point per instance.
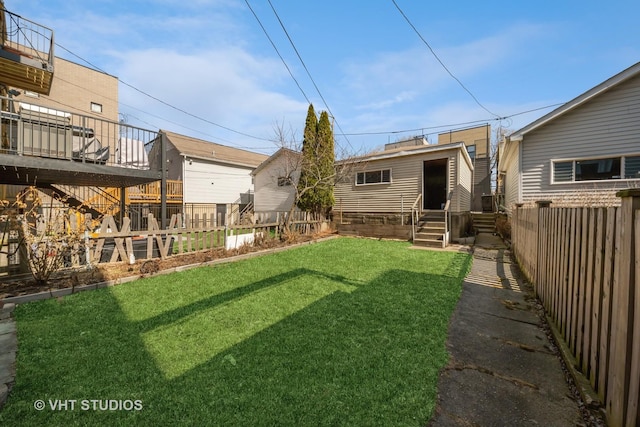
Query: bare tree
point(48, 241)
point(286, 175)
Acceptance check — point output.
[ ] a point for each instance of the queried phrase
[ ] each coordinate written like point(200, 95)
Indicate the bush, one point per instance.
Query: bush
point(503, 226)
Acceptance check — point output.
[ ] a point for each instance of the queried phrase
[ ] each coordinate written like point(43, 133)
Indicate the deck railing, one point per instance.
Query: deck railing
point(26, 54)
point(33, 130)
point(25, 36)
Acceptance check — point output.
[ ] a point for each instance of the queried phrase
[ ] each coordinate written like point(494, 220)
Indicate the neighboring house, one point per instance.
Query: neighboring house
point(274, 181)
point(580, 153)
point(215, 178)
point(477, 140)
point(78, 89)
point(377, 195)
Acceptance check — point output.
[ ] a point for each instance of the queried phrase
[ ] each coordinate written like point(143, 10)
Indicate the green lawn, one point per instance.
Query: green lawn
point(343, 332)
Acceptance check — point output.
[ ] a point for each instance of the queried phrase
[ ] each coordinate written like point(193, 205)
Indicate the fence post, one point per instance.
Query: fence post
point(539, 250)
point(622, 396)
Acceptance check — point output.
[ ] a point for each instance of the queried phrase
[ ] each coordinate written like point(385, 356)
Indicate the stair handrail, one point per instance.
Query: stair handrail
point(415, 214)
point(447, 220)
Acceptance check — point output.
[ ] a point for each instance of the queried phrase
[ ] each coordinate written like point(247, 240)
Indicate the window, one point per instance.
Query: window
point(632, 167)
point(96, 108)
point(284, 181)
point(563, 171)
point(598, 169)
point(471, 149)
point(608, 168)
point(373, 177)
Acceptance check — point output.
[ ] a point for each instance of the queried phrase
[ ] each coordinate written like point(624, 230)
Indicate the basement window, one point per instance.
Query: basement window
point(382, 176)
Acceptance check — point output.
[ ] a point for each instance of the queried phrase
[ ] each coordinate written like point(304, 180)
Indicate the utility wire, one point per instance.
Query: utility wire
point(442, 63)
point(166, 103)
point(277, 51)
point(453, 125)
point(308, 72)
point(217, 138)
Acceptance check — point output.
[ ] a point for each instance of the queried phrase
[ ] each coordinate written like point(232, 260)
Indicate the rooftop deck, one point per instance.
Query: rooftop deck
point(26, 53)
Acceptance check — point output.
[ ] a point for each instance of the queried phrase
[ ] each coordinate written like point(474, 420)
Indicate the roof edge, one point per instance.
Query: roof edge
point(426, 149)
point(611, 82)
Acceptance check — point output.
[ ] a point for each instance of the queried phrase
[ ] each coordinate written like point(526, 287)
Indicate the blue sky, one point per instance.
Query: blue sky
point(211, 59)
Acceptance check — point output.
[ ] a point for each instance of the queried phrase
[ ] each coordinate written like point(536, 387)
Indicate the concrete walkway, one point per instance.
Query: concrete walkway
point(503, 371)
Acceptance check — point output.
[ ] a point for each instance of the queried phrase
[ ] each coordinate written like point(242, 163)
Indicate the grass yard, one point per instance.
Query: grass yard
point(343, 332)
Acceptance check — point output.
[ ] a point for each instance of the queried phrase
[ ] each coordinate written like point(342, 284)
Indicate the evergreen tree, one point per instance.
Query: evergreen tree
point(326, 164)
point(315, 186)
point(308, 177)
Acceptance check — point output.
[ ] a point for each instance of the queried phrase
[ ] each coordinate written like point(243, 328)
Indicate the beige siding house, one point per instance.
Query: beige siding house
point(383, 187)
point(78, 89)
point(580, 153)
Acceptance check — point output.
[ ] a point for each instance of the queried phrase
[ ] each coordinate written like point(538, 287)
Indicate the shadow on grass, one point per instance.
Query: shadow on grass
point(170, 317)
point(350, 354)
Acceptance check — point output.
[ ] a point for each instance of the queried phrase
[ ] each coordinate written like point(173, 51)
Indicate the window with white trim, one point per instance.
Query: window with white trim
point(595, 169)
point(382, 176)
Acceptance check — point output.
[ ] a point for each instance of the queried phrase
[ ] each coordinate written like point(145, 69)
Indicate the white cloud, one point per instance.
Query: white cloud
point(226, 86)
point(376, 82)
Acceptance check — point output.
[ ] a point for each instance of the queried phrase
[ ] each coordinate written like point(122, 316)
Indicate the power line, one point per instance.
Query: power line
point(217, 138)
point(277, 51)
point(442, 63)
point(308, 72)
point(166, 103)
point(455, 124)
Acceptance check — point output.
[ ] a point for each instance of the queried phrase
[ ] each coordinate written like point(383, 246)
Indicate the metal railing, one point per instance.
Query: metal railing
point(447, 219)
point(415, 216)
point(26, 37)
point(33, 130)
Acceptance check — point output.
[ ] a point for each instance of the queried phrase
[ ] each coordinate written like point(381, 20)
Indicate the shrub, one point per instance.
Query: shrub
point(503, 226)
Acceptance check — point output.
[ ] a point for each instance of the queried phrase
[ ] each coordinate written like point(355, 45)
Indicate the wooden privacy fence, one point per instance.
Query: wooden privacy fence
point(584, 266)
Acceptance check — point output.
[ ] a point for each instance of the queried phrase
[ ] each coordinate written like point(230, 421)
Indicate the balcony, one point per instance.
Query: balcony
point(26, 53)
point(43, 146)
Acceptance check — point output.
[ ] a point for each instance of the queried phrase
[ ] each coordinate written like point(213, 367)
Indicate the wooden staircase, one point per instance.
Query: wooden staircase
point(484, 222)
point(78, 200)
point(430, 230)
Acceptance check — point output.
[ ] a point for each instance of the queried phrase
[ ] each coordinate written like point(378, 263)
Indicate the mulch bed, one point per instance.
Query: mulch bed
point(143, 267)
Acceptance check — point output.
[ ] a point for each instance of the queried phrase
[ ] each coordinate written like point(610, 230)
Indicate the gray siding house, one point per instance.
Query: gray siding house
point(580, 153)
point(381, 189)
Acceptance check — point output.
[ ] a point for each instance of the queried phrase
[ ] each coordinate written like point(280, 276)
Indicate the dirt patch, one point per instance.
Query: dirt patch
point(142, 268)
